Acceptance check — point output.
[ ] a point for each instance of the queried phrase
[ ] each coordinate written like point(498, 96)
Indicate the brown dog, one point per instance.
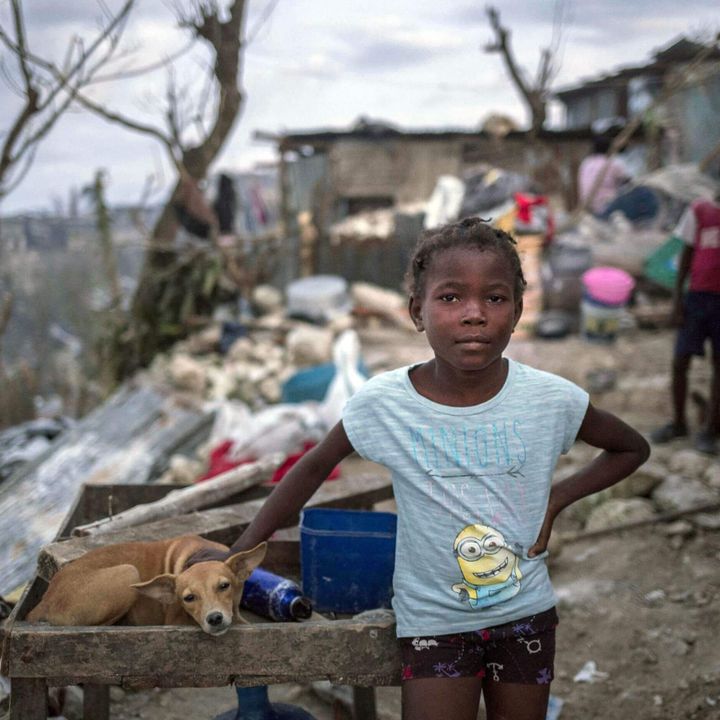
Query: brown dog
point(143, 583)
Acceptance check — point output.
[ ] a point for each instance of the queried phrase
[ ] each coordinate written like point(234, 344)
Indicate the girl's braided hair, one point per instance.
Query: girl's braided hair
point(472, 232)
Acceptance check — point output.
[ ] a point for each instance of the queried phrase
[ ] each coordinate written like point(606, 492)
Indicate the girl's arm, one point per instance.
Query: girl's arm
point(289, 496)
point(624, 450)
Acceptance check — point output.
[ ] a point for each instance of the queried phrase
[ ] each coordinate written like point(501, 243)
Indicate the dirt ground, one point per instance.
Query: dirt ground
point(640, 605)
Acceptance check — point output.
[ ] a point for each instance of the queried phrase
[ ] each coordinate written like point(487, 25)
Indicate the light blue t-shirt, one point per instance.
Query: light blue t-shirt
point(471, 486)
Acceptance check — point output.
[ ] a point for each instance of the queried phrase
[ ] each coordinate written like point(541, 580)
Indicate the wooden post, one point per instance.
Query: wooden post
point(96, 702)
point(364, 703)
point(28, 699)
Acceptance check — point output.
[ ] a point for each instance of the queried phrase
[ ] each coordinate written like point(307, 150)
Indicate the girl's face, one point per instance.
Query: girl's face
point(467, 307)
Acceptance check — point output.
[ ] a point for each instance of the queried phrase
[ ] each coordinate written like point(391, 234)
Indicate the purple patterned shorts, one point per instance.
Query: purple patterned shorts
point(522, 651)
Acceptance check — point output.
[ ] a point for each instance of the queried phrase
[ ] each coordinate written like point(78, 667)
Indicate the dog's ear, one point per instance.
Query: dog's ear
point(160, 588)
point(243, 563)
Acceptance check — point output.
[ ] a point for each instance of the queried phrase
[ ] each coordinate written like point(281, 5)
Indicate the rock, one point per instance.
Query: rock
point(341, 323)
point(681, 528)
point(689, 463)
point(707, 521)
point(266, 299)
point(619, 511)
point(187, 374)
point(308, 345)
point(266, 351)
point(584, 592)
point(641, 483)
point(205, 341)
point(272, 321)
point(712, 475)
point(270, 389)
point(222, 384)
point(241, 350)
point(185, 470)
point(662, 453)
point(681, 493)
point(376, 299)
point(654, 597)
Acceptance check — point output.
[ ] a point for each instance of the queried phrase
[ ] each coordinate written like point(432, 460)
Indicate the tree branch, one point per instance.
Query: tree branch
point(534, 97)
point(119, 119)
point(43, 82)
point(19, 24)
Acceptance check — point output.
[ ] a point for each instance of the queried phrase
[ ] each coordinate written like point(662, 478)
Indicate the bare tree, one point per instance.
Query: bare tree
point(47, 90)
point(534, 92)
point(174, 286)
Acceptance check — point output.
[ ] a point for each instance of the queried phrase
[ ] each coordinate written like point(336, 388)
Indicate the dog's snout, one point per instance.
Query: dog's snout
point(214, 619)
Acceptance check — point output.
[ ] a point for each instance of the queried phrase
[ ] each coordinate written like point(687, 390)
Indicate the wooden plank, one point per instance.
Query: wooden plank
point(96, 702)
point(95, 501)
point(187, 499)
point(221, 524)
point(144, 682)
point(364, 703)
point(28, 699)
point(343, 651)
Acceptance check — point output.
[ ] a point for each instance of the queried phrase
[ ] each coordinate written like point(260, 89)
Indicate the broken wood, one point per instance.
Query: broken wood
point(181, 502)
point(361, 650)
point(221, 524)
point(29, 699)
point(662, 517)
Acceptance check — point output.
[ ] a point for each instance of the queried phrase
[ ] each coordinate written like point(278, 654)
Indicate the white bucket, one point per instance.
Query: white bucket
point(598, 322)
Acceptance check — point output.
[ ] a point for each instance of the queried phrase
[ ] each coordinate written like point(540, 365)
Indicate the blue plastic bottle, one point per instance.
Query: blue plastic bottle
point(253, 704)
point(275, 597)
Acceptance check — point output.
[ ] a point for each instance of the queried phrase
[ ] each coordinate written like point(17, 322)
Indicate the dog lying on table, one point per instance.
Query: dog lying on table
point(144, 583)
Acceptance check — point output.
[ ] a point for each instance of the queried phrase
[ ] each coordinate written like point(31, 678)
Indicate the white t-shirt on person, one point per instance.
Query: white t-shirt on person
point(471, 486)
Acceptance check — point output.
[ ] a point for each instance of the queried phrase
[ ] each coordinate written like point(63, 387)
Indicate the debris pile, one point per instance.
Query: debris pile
point(252, 360)
point(678, 491)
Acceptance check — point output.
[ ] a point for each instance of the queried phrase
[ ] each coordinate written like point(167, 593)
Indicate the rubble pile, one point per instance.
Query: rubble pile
point(270, 349)
point(678, 490)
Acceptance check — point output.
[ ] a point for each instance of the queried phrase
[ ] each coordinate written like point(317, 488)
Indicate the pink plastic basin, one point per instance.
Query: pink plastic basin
point(608, 285)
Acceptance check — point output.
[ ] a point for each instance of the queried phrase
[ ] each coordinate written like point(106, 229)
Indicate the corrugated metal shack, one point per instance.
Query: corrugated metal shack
point(329, 175)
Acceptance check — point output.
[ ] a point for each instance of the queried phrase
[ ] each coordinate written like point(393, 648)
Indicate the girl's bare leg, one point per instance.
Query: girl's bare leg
point(514, 701)
point(441, 698)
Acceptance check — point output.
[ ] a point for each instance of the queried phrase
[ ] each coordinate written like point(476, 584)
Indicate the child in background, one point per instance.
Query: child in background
point(697, 314)
point(472, 439)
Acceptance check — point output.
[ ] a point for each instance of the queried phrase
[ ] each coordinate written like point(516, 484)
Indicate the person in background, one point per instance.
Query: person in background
point(697, 315)
point(225, 208)
point(591, 167)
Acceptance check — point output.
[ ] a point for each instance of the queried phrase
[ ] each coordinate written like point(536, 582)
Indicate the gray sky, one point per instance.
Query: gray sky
point(324, 63)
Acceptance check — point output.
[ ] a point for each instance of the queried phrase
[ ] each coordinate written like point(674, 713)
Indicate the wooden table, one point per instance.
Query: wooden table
point(360, 651)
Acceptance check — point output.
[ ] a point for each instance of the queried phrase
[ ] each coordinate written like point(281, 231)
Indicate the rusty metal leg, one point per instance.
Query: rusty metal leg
point(96, 702)
point(364, 703)
point(28, 699)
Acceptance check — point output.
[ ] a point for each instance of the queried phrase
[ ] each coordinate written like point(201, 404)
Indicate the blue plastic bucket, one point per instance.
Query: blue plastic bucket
point(347, 558)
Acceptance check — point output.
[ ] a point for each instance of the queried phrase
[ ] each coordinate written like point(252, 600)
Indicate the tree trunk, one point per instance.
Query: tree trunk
point(175, 286)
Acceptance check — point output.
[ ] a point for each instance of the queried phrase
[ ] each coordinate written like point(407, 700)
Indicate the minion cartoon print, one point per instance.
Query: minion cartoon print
point(490, 569)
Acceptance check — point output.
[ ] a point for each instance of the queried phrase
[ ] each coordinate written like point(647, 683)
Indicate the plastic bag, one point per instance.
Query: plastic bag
point(347, 380)
point(275, 429)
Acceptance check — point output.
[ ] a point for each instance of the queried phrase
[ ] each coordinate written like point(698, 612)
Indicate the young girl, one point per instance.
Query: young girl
point(472, 439)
